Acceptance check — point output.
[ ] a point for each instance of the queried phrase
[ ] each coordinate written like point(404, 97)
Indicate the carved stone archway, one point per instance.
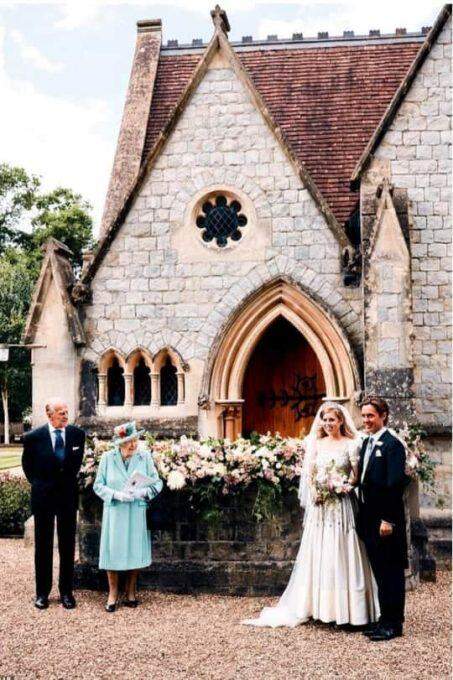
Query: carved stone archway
point(225, 375)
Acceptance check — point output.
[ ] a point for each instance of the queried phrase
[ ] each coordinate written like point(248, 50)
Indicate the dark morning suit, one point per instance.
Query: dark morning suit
point(54, 494)
point(381, 498)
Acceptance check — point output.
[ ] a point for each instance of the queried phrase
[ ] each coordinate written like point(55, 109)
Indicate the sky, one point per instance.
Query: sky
point(64, 69)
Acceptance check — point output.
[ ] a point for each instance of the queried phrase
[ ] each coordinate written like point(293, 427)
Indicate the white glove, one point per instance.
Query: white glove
point(122, 496)
point(140, 493)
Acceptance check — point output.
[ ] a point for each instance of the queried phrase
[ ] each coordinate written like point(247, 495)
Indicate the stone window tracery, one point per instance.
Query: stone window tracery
point(140, 379)
point(220, 218)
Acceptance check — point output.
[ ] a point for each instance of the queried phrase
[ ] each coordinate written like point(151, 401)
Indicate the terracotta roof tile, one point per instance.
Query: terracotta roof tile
point(327, 102)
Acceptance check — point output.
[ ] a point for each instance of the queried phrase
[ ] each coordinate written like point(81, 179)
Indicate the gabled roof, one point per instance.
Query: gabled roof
point(326, 100)
point(219, 41)
point(399, 95)
point(57, 267)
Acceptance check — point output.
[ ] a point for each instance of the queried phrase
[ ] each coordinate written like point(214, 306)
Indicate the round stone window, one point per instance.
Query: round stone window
point(220, 218)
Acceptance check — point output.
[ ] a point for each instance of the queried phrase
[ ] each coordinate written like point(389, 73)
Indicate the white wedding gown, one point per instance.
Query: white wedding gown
point(332, 579)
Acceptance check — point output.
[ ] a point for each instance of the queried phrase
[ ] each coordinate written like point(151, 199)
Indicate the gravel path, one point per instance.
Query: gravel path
point(198, 637)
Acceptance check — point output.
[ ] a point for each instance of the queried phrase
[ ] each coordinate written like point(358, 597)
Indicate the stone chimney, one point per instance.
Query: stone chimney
point(131, 138)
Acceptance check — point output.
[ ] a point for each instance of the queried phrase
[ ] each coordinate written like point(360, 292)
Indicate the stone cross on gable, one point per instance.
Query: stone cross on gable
point(220, 19)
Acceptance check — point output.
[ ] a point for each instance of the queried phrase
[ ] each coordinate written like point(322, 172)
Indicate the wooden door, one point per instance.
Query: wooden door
point(283, 383)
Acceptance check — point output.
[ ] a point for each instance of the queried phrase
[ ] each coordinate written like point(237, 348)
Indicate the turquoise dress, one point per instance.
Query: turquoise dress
point(125, 539)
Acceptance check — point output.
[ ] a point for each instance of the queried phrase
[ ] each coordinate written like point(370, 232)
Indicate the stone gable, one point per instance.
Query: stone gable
point(160, 285)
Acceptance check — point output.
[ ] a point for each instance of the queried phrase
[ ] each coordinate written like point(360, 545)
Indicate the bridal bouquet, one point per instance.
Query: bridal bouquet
point(329, 483)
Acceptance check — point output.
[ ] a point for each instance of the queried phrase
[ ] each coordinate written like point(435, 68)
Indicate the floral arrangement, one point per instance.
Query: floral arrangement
point(214, 468)
point(329, 483)
point(270, 465)
point(419, 464)
point(188, 461)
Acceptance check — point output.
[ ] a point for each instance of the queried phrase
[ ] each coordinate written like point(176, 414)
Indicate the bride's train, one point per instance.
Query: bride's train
point(331, 579)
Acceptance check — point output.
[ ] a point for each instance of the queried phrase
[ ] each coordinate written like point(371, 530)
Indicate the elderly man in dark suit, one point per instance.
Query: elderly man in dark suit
point(51, 460)
point(382, 521)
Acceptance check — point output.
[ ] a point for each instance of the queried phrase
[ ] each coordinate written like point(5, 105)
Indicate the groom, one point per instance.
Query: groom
point(382, 520)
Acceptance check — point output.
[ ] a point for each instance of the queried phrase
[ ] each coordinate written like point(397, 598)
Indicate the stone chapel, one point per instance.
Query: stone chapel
point(276, 232)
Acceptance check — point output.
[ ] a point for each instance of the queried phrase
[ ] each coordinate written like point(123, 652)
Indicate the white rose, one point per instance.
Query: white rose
point(175, 480)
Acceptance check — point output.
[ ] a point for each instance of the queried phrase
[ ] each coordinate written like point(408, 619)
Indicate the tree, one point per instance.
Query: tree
point(17, 279)
point(28, 218)
point(63, 215)
point(17, 197)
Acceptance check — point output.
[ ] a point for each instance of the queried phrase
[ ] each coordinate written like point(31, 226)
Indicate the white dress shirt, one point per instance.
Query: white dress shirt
point(53, 436)
point(369, 449)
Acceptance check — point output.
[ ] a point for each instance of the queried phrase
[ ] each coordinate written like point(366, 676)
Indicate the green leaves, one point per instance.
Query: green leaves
point(28, 218)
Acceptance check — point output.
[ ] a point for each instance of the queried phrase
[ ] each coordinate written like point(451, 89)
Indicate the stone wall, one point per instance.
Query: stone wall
point(417, 152)
point(236, 557)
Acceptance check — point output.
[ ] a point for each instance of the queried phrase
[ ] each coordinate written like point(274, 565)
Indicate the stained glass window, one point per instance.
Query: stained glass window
point(220, 220)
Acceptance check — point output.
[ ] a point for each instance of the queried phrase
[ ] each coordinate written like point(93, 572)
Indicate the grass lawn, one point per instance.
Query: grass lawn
point(10, 457)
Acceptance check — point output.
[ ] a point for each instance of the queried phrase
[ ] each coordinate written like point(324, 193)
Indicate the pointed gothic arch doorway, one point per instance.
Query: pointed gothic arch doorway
point(283, 383)
point(304, 336)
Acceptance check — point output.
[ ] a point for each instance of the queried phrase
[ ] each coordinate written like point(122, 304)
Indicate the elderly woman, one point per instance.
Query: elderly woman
point(125, 539)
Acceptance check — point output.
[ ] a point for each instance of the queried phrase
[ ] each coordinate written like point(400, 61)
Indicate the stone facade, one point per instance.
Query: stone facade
point(415, 154)
point(160, 285)
point(416, 151)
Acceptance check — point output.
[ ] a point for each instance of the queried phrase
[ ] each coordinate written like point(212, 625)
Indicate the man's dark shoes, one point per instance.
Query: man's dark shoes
point(110, 608)
point(370, 629)
point(68, 601)
point(384, 633)
point(41, 602)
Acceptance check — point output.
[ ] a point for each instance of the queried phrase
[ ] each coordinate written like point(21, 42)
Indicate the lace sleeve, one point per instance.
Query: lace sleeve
point(307, 471)
point(354, 451)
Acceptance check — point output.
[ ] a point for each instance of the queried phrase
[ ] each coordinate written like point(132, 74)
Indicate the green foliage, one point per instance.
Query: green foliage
point(17, 196)
point(268, 501)
point(14, 504)
point(63, 215)
point(17, 279)
point(28, 218)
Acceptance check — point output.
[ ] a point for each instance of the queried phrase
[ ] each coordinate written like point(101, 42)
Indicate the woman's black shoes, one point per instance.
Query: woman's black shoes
point(130, 603)
point(110, 608)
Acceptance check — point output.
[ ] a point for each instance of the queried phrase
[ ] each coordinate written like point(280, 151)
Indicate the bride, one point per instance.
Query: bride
point(331, 580)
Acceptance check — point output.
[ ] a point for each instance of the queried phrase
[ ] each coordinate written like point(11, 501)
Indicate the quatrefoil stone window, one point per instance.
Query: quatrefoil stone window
point(220, 218)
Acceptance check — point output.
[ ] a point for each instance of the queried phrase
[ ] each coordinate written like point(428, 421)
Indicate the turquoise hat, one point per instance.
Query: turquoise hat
point(125, 433)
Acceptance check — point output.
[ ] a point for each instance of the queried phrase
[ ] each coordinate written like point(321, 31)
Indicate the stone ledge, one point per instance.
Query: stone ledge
point(226, 578)
point(435, 517)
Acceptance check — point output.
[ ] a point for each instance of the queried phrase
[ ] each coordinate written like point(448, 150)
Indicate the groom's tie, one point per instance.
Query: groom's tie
point(59, 446)
point(366, 457)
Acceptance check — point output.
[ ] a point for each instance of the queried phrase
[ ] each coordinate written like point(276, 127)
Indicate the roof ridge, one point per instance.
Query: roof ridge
point(298, 39)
